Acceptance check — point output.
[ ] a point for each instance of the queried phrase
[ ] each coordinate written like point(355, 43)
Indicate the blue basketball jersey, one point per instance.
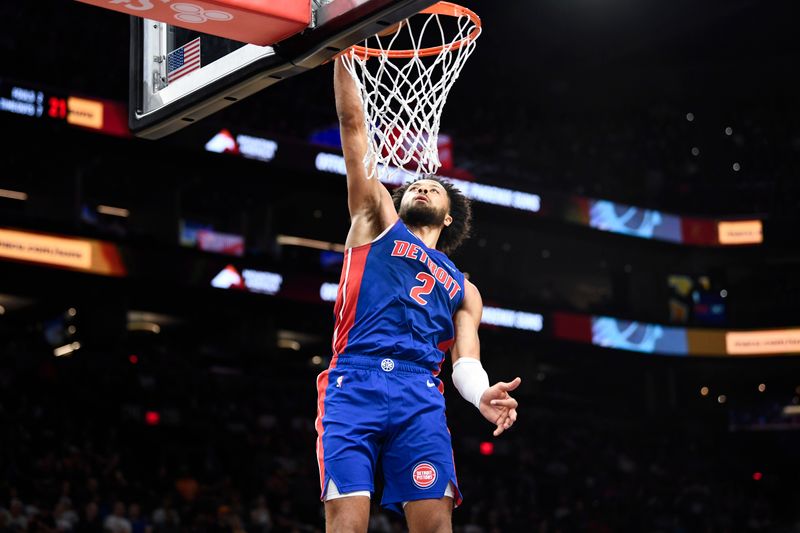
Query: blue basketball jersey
point(380, 401)
point(396, 299)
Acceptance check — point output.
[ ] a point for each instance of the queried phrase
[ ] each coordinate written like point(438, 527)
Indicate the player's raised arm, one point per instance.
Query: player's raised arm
point(370, 204)
point(469, 377)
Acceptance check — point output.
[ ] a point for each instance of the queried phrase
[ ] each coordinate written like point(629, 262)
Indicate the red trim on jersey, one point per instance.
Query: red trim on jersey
point(345, 312)
point(444, 347)
point(458, 497)
point(322, 388)
point(322, 391)
point(347, 299)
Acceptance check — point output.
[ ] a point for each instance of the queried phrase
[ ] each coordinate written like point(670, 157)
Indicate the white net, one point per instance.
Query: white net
point(404, 78)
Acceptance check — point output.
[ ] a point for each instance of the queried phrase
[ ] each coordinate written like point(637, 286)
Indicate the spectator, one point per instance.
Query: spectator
point(90, 523)
point(260, 517)
point(117, 522)
point(138, 522)
point(65, 517)
point(17, 519)
point(166, 518)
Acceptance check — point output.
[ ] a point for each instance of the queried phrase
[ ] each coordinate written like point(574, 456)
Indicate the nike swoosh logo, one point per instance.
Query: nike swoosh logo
point(429, 384)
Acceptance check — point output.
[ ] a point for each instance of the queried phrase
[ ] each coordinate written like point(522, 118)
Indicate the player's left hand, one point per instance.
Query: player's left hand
point(498, 407)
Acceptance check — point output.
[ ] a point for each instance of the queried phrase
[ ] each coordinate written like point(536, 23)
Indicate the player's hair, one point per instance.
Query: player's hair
point(457, 232)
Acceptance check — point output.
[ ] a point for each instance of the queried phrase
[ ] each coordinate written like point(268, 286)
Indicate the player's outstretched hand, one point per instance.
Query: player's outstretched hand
point(498, 406)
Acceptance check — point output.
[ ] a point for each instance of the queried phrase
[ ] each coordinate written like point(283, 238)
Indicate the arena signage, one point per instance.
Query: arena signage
point(57, 251)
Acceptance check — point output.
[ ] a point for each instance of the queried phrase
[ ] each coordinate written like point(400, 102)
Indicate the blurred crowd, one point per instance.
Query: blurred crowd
point(174, 444)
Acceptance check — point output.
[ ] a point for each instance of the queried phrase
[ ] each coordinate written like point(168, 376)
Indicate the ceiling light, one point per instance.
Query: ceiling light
point(13, 195)
point(113, 211)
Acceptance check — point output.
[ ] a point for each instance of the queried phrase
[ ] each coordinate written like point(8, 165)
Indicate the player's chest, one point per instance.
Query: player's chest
point(424, 276)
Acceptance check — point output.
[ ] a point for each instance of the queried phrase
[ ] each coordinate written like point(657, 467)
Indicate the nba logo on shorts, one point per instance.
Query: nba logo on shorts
point(424, 475)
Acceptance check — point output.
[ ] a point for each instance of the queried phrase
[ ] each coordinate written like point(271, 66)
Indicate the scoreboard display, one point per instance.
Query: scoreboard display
point(37, 102)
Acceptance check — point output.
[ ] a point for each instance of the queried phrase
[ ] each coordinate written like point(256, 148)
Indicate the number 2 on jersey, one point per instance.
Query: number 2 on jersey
point(417, 293)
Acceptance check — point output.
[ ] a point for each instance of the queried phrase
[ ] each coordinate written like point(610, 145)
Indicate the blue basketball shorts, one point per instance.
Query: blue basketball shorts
point(373, 410)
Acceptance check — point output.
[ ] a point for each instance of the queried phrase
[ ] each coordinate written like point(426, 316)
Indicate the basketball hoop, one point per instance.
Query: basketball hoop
point(404, 90)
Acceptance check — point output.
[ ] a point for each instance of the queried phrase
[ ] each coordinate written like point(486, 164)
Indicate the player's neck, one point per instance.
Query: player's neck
point(427, 234)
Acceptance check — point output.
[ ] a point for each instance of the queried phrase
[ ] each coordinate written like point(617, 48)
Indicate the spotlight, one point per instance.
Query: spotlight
point(13, 195)
point(67, 349)
point(149, 327)
point(113, 211)
point(289, 344)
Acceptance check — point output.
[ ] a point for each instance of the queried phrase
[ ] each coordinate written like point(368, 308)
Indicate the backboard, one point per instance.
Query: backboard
point(179, 76)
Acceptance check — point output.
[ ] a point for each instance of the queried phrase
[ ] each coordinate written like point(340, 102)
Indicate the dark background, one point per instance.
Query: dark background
point(571, 97)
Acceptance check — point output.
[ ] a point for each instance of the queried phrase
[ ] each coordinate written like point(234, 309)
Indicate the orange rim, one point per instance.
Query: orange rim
point(442, 8)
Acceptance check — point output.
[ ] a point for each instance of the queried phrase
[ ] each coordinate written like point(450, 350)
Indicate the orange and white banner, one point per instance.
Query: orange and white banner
point(763, 342)
point(741, 232)
point(59, 251)
point(89, 255)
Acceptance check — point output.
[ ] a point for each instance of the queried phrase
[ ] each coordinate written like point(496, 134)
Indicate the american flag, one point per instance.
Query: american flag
point(183, 60)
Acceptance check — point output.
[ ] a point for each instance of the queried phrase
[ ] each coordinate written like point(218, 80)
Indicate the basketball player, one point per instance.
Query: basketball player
point(402, 304)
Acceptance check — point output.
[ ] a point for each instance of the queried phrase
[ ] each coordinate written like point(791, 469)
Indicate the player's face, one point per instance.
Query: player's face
point(425, 203)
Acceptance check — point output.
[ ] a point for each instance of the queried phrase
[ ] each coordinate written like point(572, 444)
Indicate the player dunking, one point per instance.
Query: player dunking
point(401, 305)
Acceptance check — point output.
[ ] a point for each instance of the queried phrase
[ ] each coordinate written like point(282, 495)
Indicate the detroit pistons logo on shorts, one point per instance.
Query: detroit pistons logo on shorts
point(424, 475)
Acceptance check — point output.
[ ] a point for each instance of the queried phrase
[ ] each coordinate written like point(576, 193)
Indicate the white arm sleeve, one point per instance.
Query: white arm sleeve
point(470, 379)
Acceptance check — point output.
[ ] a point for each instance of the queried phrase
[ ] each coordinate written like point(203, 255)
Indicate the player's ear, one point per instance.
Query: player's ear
point(448, 220)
